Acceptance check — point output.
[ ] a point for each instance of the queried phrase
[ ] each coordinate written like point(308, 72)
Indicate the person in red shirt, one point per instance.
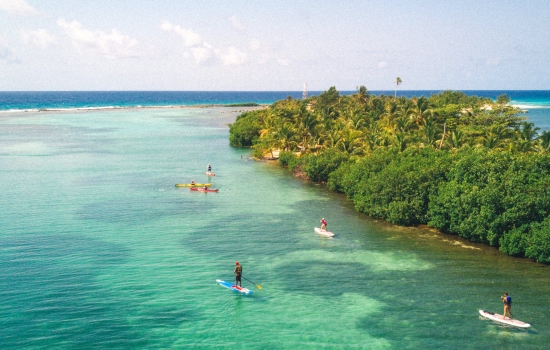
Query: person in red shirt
point(323, 224)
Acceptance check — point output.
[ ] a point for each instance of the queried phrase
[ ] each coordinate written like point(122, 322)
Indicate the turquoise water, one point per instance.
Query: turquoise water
point(99, 249)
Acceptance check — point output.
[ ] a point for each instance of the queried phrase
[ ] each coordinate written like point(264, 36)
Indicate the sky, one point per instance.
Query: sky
point(274, 45)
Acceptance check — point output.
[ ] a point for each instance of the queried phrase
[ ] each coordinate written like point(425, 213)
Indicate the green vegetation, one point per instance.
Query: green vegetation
point(469, 166)
point(244, 104)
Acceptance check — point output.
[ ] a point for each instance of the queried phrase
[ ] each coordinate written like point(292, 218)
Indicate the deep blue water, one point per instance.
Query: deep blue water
point(17, 100)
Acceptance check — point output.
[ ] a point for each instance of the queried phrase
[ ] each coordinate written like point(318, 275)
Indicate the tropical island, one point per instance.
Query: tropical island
point(468, 166)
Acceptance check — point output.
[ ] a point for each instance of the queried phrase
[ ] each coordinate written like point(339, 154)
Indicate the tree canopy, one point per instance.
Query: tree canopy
point(467, 165)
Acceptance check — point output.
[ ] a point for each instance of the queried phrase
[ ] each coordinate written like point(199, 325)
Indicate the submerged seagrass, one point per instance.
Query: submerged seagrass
point(99, 249)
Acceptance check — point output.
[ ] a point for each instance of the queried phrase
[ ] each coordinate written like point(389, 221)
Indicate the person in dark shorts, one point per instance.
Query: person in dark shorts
point(238, 273)
point(209, 168)
point(507, 301)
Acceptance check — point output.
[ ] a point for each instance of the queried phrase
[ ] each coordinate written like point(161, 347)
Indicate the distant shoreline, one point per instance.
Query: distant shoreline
point(88, 109)
point(56, 101)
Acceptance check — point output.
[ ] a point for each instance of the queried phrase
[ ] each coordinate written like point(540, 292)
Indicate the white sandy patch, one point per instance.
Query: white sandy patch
point(391, 261)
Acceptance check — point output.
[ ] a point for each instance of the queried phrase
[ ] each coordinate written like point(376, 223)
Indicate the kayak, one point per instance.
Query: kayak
point(498, 318)
point(210, 173)
point(192, 185)
point(204, 190)
point(323, 232)
point(234, 288)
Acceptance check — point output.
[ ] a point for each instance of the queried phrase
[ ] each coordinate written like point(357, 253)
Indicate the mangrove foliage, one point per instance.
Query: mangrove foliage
point(469, 166)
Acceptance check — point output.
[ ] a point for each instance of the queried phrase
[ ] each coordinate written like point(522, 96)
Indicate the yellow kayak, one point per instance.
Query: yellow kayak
point(193, 185)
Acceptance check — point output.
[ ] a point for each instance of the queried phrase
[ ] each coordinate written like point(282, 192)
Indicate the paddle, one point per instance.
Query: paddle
point(257, 285)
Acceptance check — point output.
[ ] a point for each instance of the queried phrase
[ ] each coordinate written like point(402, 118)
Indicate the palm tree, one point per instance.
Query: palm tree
point(494, 137)
point(544, 141)
point(430, 132)
point(350, 141)
point(285, 134)
point(307, 129)
point(400, 141)
point(529, 131)
point(527, 135)
point(372, 137)
point(420, 110)
point(362, 95)
point(397, 82)
point(392, 111)
point(457, 138)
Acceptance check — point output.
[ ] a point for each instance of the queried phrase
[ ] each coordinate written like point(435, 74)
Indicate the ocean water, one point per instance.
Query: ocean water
point(535, 103)
point(99, 249)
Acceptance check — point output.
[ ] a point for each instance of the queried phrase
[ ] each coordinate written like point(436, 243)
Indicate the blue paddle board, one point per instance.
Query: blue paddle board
point(234, 288)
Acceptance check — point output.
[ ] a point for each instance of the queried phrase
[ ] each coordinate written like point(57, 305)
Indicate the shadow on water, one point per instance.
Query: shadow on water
point(136, 211)
point(63, 302)
point(430, 293)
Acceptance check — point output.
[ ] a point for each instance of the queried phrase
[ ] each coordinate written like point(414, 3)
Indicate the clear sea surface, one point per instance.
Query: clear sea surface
point(535, 103)
point(99, 249)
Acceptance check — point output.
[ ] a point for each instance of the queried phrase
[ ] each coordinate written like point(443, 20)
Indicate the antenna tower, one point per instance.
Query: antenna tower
point(304, 94)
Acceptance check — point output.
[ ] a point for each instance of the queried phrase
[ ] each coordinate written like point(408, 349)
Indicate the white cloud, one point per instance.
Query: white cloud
point(494, 61)
point(255, 45)
point(40, 37)
point(110, 45)
point(232, 56)
point(236, 23)
point(202, 52)
point(6, 54)
point(382, 64)
point(190, 38)
point(283, 62)
point(18, 8)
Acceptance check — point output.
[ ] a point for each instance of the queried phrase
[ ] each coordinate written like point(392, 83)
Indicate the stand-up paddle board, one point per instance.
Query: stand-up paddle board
point(323, 232)
point(209, 173)
point(507, 320)
point(234, 288)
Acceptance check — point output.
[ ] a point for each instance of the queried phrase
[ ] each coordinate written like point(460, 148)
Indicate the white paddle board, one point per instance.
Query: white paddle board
point(323, 232)
point(507, 320)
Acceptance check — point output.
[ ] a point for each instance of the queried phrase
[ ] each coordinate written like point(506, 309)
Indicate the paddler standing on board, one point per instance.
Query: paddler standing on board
point(507, 301)
point(209, 168)
point(238, 273)
point(323, 224)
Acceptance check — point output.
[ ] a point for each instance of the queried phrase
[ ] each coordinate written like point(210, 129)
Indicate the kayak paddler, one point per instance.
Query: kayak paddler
point(238, 273)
